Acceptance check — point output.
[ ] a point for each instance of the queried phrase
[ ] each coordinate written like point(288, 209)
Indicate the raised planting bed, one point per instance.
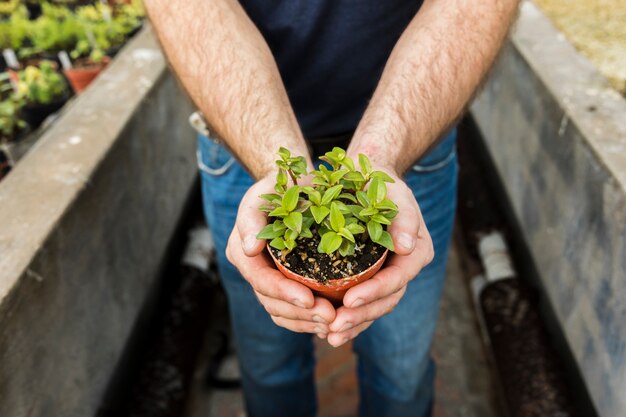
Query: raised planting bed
point(555, 130)
point(86, 218)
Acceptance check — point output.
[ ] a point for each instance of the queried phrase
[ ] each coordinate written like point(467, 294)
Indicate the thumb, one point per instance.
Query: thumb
point(250, 221)
point(405, 227)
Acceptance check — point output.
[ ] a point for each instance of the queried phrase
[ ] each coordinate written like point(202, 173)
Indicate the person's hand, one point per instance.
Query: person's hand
point(290, 304)
point(379, 295)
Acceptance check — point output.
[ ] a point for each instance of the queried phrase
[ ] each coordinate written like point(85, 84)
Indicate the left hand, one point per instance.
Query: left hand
point(379, 295)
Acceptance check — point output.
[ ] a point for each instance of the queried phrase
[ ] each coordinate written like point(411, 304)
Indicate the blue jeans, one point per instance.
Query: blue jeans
point(396, 373)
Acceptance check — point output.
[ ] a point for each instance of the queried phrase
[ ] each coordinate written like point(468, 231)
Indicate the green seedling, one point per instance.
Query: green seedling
point(344, 205)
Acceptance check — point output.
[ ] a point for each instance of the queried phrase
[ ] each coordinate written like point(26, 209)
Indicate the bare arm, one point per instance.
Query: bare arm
point(229, 72)
point(429, 78)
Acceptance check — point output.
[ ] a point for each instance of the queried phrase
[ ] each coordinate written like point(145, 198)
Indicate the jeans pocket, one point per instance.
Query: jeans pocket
point(438, 157)
point(213, 158)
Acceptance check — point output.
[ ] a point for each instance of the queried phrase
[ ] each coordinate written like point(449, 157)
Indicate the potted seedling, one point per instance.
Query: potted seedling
point(12, 126)
point(43, 90)
point(87, 63)
point(330, 235)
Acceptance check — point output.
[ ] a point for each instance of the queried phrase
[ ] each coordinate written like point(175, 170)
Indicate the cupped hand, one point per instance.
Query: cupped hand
point(290, 304)
point(379, 295)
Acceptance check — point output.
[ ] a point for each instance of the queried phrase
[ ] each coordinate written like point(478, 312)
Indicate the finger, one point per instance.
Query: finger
point(396, 274)
point(300, 326)
point(348, 318)
point(322, 311)
point(250, 220)
point(338, 339)
point(405, 226)
point(262, 275)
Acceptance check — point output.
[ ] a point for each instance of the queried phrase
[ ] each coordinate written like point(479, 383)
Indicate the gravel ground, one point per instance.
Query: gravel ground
point(597, 28)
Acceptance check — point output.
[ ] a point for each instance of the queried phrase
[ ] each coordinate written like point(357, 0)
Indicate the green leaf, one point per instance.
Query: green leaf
point(272, 198)
point(279, 226)
point(290, 199)
point(331, 194)
point(381, 219)
point(348, 196)
point(385, 240)
point(307, 221)
point(314, 195)
point(329, 243)
point(370, 211)
point(320, 181)
point(268, 232)
point(303, 205)
point(377, 190)
point(337, 175)
point(355, 228)
point(306, 232)
point(347, 234)
point(375, 230)
point(362, 197)
point(278, 212)
point(267, 208)
point(278, 243)
point(291, 235)
point(354, 176)
point(356, 212)
point(319, 213)
point(366, 166)
point(290, 244)
point(346, 248)
point(340, 153)
point(294, 221)
point(387, 204)
point(382, 175)
point(337, 221)
point(347, 161)
point(284, 153)
point(279, 188)
point(390, 214)
point(281, 177)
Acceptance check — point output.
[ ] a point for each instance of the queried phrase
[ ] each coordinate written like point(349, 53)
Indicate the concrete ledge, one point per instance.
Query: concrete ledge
point(557, 134)
point(85, 219)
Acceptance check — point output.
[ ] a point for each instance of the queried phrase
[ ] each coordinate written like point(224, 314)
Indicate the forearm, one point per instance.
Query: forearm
point(429, 78)
point(229, 72)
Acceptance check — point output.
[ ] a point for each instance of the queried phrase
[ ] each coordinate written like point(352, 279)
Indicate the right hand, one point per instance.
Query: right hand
point(290, 304)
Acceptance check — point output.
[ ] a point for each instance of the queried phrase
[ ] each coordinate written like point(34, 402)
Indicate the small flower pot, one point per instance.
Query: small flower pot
point(81, 76)
point(335, 289)
point(35, 114)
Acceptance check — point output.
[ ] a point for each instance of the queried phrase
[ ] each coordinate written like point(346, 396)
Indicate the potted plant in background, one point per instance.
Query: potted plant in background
point(12, 126)
point(331, 235)
point(87, 62)
point(43, 90)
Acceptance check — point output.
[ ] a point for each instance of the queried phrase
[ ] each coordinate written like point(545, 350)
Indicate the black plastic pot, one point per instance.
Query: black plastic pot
point(35, 114)
point(34, 9)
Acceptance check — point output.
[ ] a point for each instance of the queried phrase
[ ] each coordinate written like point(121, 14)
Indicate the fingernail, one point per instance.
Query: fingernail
point(406, 240)
point(298, 303)
point(357, 303)
point(318, 319)
point(321, 335)
point(248, 243)
point(345, 327)
point(343, 341)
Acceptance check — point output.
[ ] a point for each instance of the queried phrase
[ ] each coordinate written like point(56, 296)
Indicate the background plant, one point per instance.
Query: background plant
point(345, 205)
point(40, 85)
point(10, 121)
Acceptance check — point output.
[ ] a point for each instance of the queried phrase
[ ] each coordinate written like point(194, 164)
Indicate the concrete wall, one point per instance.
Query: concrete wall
point(85, 219)
point(557, 134)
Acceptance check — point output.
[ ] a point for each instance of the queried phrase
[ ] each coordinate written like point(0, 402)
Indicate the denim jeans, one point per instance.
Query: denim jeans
point(396, 373)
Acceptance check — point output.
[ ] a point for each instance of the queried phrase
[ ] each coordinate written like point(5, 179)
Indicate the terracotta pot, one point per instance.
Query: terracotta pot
point(335, 289)
point(80, 77)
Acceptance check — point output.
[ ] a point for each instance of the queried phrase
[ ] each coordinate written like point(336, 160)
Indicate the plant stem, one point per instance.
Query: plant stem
point(293, 177)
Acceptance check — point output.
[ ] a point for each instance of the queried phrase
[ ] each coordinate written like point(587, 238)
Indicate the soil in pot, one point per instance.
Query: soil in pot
point(84, 73)
point(305, 260)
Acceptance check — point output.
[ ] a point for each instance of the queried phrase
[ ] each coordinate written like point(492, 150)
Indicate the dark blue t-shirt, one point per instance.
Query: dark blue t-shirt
point(330, 54)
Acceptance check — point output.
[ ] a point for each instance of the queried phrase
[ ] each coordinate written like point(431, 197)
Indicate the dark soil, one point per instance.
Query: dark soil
point(306, 261)
point(532, 381)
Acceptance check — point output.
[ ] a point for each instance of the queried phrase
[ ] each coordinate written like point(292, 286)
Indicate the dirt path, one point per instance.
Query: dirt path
point(597, 28)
